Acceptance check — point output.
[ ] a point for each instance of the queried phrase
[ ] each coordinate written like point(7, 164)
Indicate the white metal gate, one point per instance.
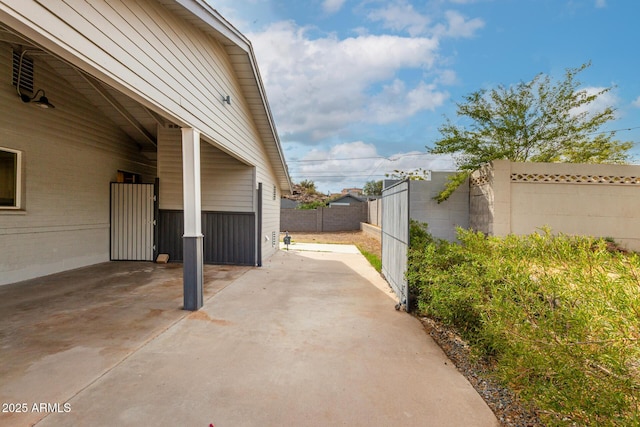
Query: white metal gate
point(395, 238)
point(132, 222)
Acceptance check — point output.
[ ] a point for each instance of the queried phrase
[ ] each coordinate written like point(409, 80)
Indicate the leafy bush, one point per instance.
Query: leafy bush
point(312, 205)
point(558, 315)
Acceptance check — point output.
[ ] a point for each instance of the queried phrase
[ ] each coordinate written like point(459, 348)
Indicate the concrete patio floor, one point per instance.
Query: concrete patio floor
point(311, 338)
point(60, 332)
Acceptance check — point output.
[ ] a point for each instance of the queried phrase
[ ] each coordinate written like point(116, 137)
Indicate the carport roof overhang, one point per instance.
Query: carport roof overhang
point(206, 19)
point(240, 51)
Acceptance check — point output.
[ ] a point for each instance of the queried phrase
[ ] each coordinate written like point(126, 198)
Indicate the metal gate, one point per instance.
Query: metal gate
point(229, 237)
point(395, 238)
point(132, 222)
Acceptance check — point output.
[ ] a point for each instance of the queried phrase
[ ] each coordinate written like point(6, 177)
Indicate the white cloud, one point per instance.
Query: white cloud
point(458, 26)
point(245, 14)
point(447, 77)
point(636, 102)
point(395, 102)
point(607, 99)
point(352, 164)
point(401, 17)
point(332, 6)
point(317, 87)
point(601, 3)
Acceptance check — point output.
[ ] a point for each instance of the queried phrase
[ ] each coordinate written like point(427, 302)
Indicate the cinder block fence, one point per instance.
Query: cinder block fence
point(335, 218)
point(579, 199)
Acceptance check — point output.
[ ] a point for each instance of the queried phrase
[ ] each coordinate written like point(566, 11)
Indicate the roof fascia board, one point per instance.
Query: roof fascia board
point(267, 109)
point(211, 17)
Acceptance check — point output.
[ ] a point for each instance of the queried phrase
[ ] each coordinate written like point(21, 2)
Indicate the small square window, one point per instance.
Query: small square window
point(10, 165)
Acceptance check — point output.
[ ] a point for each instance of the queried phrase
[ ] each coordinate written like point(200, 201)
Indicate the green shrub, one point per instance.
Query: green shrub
point(311, 205)
point(559, 316)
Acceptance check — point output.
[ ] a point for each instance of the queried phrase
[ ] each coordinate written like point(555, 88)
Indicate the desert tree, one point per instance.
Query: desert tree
point(539, 121)
point(372, 188)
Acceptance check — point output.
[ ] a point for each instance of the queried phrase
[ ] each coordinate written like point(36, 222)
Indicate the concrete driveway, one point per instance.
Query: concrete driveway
point(309, 339)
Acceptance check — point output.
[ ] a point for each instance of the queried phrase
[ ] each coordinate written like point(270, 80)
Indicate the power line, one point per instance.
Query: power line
point(329, 160)
point(391, 159)
point(340, 176)
point(322, 173)
point(614, 130)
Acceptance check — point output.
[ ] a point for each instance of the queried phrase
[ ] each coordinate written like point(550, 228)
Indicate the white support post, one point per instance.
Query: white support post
point(192, 238)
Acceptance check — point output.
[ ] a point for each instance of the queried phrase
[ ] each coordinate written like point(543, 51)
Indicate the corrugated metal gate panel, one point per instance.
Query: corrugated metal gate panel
point(229, 237)
point(395, 238)
point(171, 223)
point(132, 222)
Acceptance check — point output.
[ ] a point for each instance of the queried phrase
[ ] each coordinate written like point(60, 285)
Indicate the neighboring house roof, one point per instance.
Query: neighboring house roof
point(288, 204)
point(348, 199)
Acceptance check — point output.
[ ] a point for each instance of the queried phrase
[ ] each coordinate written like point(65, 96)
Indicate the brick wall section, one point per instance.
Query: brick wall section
point(336, 218)
point(298, 220)
point(344, 218)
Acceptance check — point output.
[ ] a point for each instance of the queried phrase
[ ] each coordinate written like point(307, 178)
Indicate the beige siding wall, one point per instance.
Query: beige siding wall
point(158, 59)
point(70, 154)
point(226, 183)
point(171, 67)
point(270, 218)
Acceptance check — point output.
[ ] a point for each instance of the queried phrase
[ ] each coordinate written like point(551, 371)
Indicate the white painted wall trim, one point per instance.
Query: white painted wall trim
point(192, 195)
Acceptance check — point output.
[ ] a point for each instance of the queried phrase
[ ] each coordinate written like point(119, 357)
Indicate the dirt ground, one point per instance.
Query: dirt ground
point(358, 238)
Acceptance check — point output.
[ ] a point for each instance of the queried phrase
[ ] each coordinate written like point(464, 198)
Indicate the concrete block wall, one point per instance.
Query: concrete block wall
point(579, 199)
point(298, 220)
point(343, 218)
point(481, 200)
point(442, 218)
point(324, 219)
point(375, 212)
point(371, 230)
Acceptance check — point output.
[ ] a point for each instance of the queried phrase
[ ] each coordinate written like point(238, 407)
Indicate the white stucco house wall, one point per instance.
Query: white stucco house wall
point(162, 92)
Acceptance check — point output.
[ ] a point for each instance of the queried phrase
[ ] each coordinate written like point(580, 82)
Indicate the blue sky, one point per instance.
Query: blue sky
point(358, 88)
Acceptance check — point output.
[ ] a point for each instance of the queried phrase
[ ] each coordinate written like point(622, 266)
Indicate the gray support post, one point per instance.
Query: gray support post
point(192, 238)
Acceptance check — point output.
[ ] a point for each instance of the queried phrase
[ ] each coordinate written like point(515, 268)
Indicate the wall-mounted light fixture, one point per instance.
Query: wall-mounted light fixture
point(41, 101)
point(226, 99)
